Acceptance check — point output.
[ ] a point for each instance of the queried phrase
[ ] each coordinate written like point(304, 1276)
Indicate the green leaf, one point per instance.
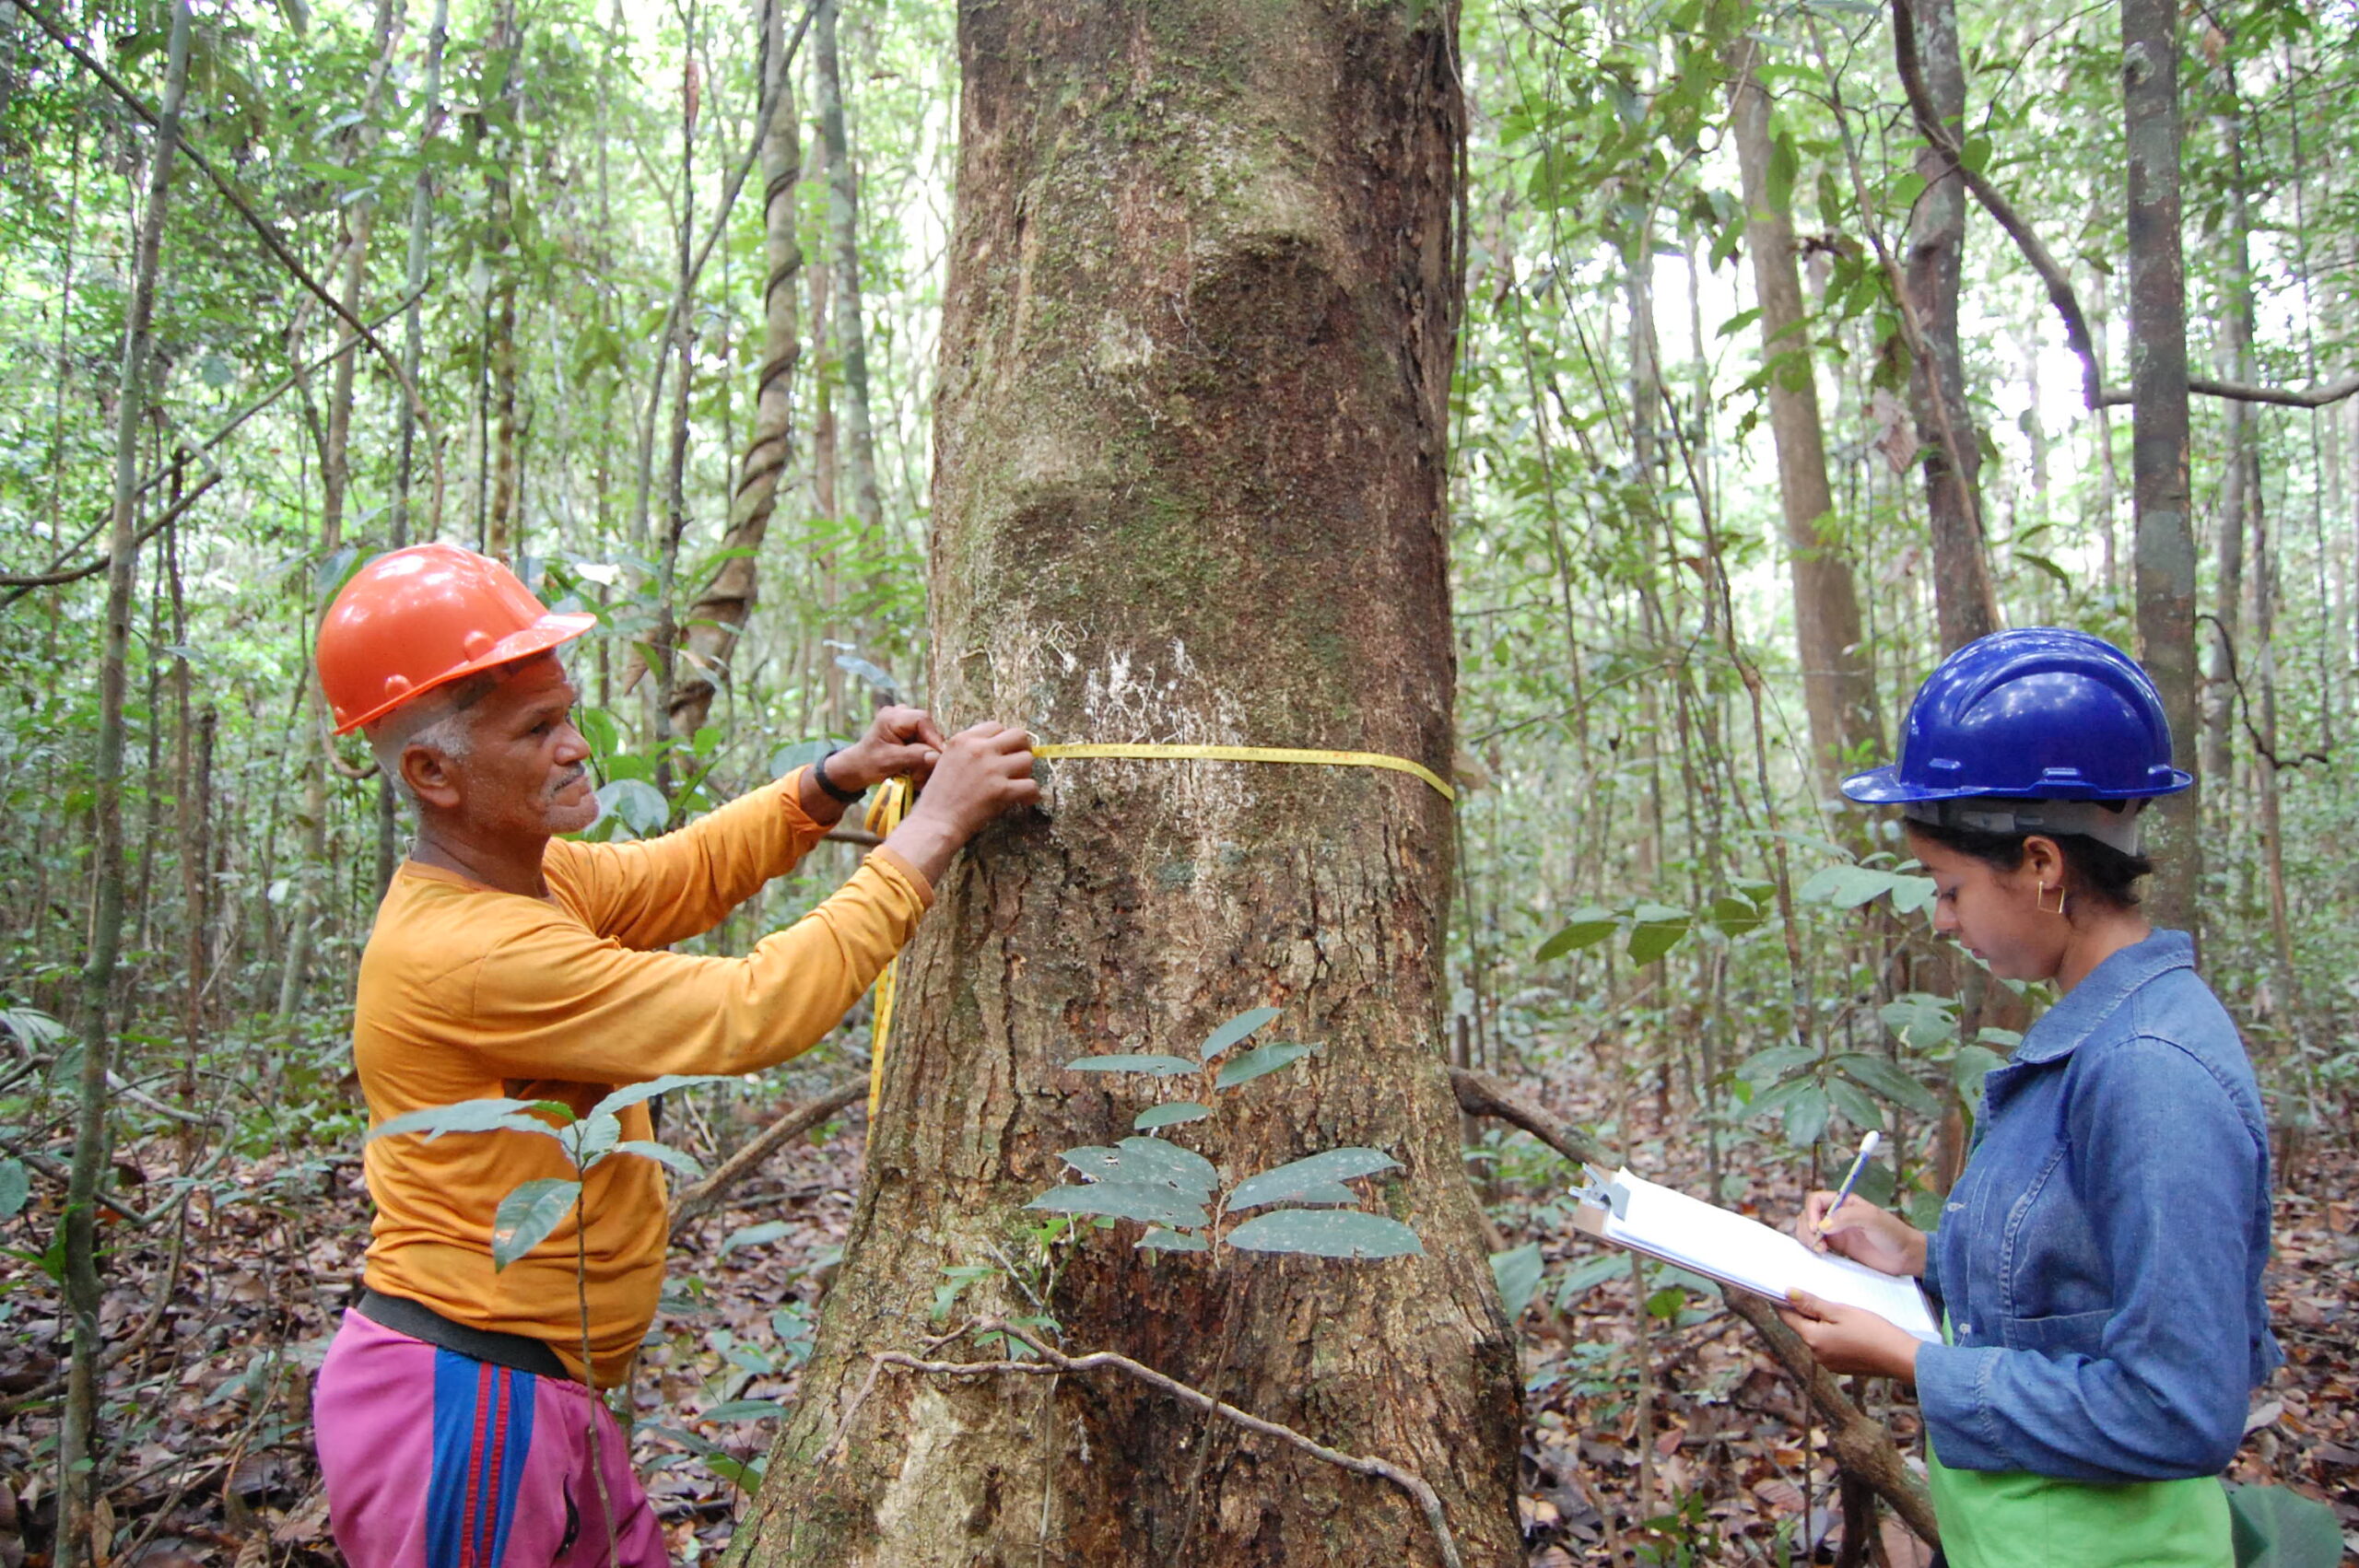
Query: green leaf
point(1259, 1061)
point(632, 1094)
point(1735, 916)
point(640, 806)
point(1738, 322)
point(475, 1116)
point(1158, 1239)
point(754, 1235)
point(1765, 1067)
point(1589, 926)
point(745, 1409)
point(1235, 1029)
point(1910, 893)
point(1166, 1162)
point(1280, 1183)
point(527, 1216)
point(1806, 1114)
point(1666, 1302)
point(1325, 1194)
point(1517, 1272)
point(16, 1189)
point(1971, 1064)
point(1650, 938)
point(1853, 1103)
point(2275, 1528)
point(1876, 1074)
point(1124, 1201)
point(1921, 1020)
point(679, 1160)
point(1586, 1276)
point(1137, 1168)
point(1171, 1115)
point(1327, 1232)
point(588, 1140)
point(1160, 1066)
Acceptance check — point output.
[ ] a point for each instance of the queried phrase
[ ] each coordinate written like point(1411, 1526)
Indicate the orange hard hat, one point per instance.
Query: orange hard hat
point(421, 618)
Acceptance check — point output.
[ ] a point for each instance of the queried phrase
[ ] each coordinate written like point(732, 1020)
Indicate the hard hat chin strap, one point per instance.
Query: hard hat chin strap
point(2114, 824)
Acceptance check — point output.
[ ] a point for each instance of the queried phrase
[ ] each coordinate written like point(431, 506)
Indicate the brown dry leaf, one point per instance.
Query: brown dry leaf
point(308, 1525)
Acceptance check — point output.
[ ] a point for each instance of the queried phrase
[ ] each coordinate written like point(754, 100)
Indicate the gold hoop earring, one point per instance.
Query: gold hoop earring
point(2039, 897)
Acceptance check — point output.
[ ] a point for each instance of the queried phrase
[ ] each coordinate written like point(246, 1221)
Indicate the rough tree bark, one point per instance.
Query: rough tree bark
point(1964, 606)
point(1196, 357)
point(1839, 687)
point(2164, 551)
point(710, 634)
point(78, 1472)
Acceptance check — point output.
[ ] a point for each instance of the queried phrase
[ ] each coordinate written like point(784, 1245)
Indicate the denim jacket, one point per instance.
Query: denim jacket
point(2100, 1259)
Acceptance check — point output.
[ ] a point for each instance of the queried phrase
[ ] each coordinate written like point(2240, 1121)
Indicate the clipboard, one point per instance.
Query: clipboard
point(1628, 1211)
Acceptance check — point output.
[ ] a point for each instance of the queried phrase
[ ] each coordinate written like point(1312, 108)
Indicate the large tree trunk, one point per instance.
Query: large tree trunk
point(1196, 357)
point(720, 608)
point(1963, 606)
point(2166, 538)
point(1839, 687)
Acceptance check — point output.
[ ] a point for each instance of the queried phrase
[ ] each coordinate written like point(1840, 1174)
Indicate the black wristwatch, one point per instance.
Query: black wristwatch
point(828, 786)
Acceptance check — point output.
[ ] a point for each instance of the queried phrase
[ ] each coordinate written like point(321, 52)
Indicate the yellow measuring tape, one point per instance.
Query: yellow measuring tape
point(892, 803)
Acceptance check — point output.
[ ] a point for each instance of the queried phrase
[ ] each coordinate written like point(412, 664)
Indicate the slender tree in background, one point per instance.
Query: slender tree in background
point(336, 484)
point(856, 440)
point(414, 279)
point(710, 639)
point(76, 1455)
point(497, 523)
point(1838, 687)
point(2165, 552)
point(1196, 354)
point(1964, 606)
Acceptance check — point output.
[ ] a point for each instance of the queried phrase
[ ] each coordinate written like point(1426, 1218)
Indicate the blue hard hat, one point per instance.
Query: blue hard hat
point(2038, 713)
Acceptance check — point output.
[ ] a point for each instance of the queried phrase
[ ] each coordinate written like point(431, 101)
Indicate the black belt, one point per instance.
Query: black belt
point(517, 1352)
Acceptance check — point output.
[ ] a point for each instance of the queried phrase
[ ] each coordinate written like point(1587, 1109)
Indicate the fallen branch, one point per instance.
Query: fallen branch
point(696, 1202)
point(1862, 1448)
point(1055, 1362)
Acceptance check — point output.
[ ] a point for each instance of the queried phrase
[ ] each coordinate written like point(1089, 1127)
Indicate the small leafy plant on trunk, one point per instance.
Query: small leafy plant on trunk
point(1304, 1206)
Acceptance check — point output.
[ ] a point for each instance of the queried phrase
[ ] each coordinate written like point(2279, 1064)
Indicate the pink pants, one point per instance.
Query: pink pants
point(435, 1460)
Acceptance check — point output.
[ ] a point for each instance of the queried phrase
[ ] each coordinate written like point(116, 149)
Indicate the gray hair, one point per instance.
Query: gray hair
point(437, 721)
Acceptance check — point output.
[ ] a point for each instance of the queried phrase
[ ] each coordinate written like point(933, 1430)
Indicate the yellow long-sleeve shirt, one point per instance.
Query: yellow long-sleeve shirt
point(468, 992)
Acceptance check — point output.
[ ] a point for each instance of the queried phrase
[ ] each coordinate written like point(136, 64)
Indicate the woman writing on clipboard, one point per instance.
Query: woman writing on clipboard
point(2097, 1266)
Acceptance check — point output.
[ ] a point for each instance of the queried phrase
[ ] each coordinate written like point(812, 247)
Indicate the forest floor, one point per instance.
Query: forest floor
point(218, 1325)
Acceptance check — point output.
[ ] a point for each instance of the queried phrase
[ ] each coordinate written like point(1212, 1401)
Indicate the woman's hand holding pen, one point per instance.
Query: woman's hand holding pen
point(1848, 1338)
point(1862, 1233)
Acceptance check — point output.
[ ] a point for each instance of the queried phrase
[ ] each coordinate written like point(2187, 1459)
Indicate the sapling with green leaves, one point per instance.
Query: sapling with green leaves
point(1175, 1193)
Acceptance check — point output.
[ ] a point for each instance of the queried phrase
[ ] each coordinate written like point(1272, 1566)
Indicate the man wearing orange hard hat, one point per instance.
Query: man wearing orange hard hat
point(455, 1413)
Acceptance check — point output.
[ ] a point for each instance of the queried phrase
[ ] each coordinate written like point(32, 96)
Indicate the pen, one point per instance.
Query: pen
point(1867, 1147)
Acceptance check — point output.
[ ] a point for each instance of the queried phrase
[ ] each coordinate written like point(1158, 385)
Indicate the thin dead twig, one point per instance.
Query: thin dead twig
point(1055, 1362)
point(706, 1196)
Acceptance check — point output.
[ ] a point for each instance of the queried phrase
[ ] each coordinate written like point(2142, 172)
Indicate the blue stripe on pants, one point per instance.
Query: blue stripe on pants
point(483, 1428)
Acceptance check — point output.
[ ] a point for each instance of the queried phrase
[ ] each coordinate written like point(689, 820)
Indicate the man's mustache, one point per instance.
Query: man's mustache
point(573, 775)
